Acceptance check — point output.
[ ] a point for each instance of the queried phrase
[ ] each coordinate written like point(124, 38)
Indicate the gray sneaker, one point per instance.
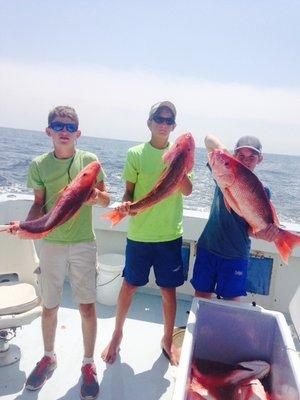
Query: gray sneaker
point(41, 373)
point(90, 387)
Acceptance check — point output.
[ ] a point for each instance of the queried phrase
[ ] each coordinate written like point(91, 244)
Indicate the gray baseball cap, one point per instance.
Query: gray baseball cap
point(251, 142)
point(157, 106)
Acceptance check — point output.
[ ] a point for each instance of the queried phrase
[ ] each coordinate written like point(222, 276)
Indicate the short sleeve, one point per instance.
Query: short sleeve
point(34, 180)
point(130, 172)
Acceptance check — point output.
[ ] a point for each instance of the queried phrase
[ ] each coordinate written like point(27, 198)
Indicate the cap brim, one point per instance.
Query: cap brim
point(248, 147)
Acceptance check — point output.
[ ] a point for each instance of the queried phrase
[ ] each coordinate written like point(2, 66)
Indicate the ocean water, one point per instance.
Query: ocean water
point(18, 147)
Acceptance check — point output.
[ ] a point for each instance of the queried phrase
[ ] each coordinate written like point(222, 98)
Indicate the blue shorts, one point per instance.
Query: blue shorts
point(165, 257)
point(213, 273)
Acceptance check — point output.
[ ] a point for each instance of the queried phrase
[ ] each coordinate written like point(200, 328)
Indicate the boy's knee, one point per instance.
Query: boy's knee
point(87, 310)
point(50, 312)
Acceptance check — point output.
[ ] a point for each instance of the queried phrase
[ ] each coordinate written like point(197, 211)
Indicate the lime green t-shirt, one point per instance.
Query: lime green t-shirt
point(52, 174)
point(163, 221)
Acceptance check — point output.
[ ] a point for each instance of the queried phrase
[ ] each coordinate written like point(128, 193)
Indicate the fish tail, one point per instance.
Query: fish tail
point(285, 243)
point(114, 216)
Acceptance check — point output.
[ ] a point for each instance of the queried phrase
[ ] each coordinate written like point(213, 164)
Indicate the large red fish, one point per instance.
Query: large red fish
point(72, 198)
point(244, 193)
point(180, 158)
point(216, 381)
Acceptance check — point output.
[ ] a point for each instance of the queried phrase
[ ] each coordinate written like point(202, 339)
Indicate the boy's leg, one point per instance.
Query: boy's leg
point(232, 279)
point(204, 295)
point(204, 273)
point(49, 324)
point(136, 273)
point(83, 279)
point(169, 313)
point(168, 269)
point(89, 328)
point(126, 294)
point(51, 273)
point(89, 382)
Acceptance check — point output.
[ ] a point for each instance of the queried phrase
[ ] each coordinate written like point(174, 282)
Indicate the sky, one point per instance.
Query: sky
point(230, 67)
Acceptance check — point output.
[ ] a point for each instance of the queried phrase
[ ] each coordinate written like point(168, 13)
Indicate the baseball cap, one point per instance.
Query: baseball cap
point(251, 142)
point(160, 104)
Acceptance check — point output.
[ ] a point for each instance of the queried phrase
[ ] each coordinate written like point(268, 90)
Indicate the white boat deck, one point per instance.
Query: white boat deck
point(140, 371)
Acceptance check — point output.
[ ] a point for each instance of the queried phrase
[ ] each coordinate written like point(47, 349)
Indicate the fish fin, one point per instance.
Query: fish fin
point(275, 217)
point(227, 205)
point(170, 154)
point(236, 207)
point(23, 234)
point(114, 216)
point(285, 242)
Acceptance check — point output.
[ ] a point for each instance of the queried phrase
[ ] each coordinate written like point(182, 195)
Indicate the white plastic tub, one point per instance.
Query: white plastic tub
point(231, 332)
point(110, 278)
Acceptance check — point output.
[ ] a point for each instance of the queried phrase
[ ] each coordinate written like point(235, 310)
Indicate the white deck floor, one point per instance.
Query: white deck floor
point(140, 371)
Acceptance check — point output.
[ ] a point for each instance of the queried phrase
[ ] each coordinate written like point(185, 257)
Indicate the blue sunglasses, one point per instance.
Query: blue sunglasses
point(161, 120)
point(59, 126)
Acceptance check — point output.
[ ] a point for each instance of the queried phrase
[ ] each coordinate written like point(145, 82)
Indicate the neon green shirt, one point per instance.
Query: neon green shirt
point(52, 174)
point(163, 221)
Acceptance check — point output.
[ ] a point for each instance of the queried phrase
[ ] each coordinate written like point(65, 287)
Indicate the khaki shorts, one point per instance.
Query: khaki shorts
point(78, 262)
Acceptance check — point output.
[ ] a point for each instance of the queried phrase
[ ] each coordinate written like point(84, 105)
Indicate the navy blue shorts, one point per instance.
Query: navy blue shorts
point(165, 257)
point(213, 273)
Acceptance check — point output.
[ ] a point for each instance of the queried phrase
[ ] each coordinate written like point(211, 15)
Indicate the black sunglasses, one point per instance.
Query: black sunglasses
point(59, 126)
point(160, 120)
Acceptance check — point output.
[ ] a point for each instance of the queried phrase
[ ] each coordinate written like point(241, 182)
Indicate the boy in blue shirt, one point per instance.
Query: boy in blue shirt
point(223, 248)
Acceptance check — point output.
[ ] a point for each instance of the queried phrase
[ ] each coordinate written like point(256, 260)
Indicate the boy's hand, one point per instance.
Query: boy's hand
point(186, 186)
point(124, 208)
point(13, 227)
point(93, 199)
point(269, 233)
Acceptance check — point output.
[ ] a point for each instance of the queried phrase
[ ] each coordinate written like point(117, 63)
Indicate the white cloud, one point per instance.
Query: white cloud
point(115, 104)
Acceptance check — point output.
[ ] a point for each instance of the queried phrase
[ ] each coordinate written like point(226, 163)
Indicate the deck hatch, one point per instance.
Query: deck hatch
point(259, 275)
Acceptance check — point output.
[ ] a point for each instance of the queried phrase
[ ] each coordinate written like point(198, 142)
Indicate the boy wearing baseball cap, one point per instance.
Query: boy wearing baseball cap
point(154, 237)
point(223, 248)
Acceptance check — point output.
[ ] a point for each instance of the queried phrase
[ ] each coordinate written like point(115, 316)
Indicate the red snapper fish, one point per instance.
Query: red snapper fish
point(180, 160)
point(244, 193)
point(72, 198)
point(226, 382)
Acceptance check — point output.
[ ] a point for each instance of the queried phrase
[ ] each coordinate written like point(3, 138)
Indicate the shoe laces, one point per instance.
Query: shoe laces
point(43, 364)
point(89, 373)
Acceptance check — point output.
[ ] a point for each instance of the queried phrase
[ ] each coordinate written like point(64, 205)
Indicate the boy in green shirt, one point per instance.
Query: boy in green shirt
point(154, 236)
point(70, 248)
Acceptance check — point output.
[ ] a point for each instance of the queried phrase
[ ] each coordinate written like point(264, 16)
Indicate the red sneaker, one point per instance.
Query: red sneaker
point(41, 373)
point(90, 387)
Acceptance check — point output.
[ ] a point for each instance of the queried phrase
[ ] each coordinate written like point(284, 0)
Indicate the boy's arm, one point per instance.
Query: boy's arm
point(127, 199)
point(37, 208)
point(99, 196)
point(129, 190)
point(212, 143)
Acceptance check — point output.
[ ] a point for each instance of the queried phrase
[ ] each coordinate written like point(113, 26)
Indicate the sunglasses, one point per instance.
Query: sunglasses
point(160, 120)
point(59, 126)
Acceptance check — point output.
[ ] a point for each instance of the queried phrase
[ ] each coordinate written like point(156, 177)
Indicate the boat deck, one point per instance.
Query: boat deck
point(140, 371)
